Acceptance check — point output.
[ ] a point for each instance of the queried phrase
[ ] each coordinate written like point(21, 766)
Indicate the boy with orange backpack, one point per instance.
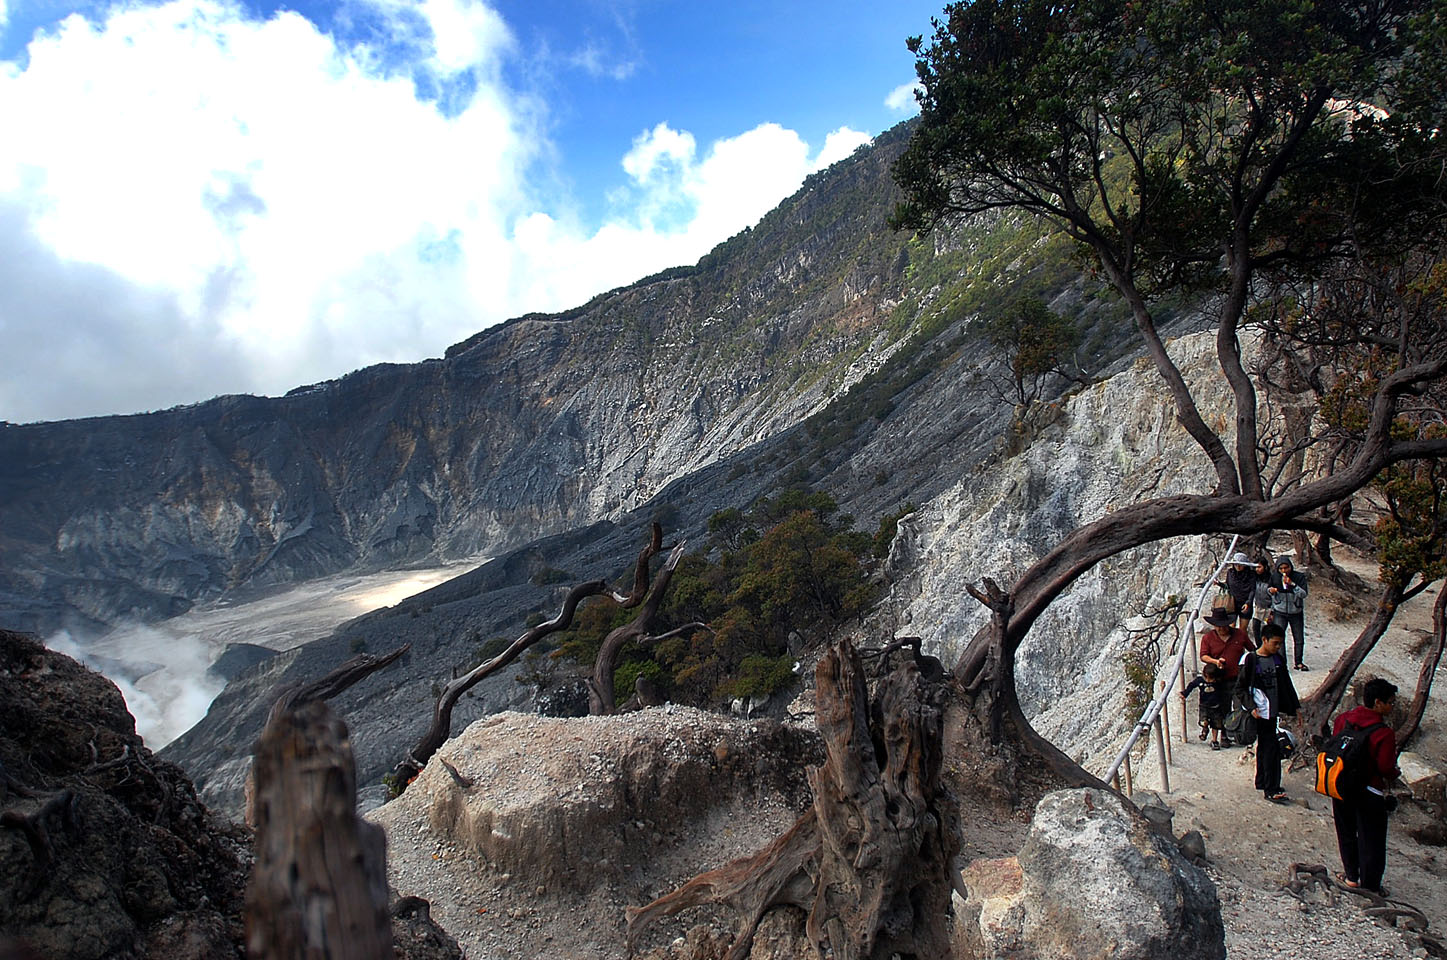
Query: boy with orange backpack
point(1353, 768)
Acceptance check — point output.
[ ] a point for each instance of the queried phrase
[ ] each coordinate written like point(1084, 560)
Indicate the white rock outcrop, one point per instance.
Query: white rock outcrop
point(1093, 881)
point(1113, 443)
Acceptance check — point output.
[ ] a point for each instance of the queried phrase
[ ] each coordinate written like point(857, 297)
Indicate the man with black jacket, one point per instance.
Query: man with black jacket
point(1264, 685)
point(1361, 820)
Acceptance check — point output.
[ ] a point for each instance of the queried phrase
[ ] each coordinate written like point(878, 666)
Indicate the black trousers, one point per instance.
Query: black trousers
point(1268, 757)
point(1361, 835)
point(1297, 623)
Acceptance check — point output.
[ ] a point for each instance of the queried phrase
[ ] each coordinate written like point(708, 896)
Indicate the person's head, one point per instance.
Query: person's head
point(1240, 560)
point(1272, 636)
point(1262, 568)
point(1221, 621)
point(1379, 694)
point(1211, 672)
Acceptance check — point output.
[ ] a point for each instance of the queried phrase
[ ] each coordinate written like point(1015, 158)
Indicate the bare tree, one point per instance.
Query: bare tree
point(440, 729)
point(318, 886)
point(601, 696)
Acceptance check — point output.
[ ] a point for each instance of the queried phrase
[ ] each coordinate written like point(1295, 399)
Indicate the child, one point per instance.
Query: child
point(1213, 702)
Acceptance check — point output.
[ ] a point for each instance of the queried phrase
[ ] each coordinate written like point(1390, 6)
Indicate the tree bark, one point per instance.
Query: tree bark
point(602, 699)
point(318, 888)
point(1430, 661)
point(1316, 710)
point(871, 861)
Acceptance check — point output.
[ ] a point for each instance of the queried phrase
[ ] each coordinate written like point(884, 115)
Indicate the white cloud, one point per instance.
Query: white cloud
point(465, 32)
point(211, 203)
point(901, 98)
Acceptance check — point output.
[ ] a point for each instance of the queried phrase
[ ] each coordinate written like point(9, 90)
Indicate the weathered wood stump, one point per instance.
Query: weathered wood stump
point(318, 889)
point(870, 862)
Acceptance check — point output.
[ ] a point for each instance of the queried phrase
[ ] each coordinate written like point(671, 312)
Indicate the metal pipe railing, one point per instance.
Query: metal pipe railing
point(1154, 708)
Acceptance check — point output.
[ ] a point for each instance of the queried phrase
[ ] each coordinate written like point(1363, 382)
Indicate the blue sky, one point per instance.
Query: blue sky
point(202, 197)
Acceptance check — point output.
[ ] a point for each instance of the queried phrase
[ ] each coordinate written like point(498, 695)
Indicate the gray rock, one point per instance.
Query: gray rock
point(1193, 845)
point(1092, 881)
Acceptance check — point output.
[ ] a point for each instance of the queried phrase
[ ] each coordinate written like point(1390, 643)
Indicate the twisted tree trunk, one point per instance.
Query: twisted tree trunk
point(602, 698)
point(871, 861)
point(1316, 710)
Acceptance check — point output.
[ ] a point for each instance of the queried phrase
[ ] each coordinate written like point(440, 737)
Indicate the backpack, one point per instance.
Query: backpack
point(1240, 726)
point(1343, 765)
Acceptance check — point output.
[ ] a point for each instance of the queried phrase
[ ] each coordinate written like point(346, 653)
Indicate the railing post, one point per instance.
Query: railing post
point(1166, 720)
point(1161, 757)
point(1185, 726)
point(1129, 785)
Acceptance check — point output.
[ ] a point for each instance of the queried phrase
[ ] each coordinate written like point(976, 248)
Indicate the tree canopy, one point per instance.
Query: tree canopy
point(1277, 162)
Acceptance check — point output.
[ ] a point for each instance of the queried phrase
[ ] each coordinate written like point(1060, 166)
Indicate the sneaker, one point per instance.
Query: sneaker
point(1277, 797)
point(1203, 733)
point(1215, 745)
point(1302, 666)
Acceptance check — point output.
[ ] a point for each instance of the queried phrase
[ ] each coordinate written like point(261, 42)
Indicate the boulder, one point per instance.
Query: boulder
point(1427, 783)
point(1093, 881)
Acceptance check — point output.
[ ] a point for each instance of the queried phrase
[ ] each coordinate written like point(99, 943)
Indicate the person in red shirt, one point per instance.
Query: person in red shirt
point(1361, 821)
point(1224, 644)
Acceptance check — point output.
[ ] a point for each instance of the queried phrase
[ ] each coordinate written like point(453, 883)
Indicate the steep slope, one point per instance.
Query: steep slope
point(539, 425)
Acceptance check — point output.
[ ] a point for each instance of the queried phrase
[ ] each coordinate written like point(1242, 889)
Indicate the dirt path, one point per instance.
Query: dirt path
point(1251, 843)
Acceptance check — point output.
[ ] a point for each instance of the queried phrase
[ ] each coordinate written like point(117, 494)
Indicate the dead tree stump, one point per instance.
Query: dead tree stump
point(318, 889)
point(870, 862)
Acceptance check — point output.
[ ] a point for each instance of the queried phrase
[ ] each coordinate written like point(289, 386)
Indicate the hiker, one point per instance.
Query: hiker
point(1361, 818)
point(1240, 583)
point(1264, 684)
point(1261, 599)
point(1214, 701)
point(1288, 603)
point(1223, 645)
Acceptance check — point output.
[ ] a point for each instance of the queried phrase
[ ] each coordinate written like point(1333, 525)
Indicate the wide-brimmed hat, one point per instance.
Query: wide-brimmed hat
point(1242, 560)
point(1220, 618)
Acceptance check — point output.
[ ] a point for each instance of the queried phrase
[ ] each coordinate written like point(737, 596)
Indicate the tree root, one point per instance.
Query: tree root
point(871, 861)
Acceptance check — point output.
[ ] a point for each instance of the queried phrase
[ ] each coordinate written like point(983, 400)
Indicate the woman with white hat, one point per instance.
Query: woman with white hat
point(1241, 585)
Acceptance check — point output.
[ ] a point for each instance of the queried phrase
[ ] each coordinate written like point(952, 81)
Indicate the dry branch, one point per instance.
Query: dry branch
point(601, 695)
point(350, 672)
point(440, 730)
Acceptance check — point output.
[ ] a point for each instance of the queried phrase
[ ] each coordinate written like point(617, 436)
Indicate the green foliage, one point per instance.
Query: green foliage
point(1140, 676)
point(627, 674)
point(1412, 534)
point(803, 574)
point(1155, 129)
point(888, 528)
point(759, 676)
point(1035, 343)
point(548, 576)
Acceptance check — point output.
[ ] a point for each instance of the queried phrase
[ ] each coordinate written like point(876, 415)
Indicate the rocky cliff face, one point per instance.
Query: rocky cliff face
point(1112, 443)
point(119, 860)
point(542, 424)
